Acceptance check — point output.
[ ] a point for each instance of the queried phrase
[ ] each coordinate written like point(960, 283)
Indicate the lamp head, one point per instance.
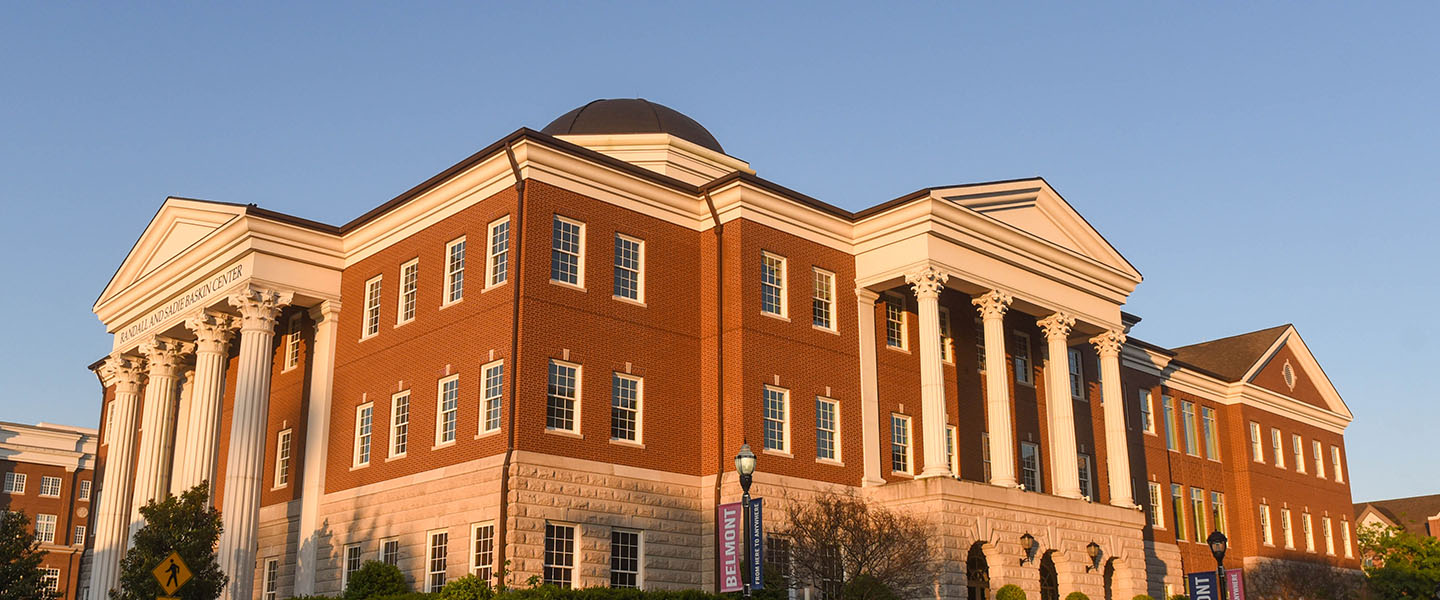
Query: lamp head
point(1092, 550)
point(745, 461)
point(1218, 544)
point(1027, 542)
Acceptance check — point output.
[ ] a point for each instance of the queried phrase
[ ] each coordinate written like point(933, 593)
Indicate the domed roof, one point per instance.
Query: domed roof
point(631, 115)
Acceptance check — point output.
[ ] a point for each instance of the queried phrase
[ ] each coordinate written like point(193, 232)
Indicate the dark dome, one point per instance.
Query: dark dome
point(631, 115)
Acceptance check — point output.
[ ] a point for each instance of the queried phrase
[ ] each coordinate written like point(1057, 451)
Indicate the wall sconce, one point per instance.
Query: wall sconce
point(1093, 551)
point(1027, 548)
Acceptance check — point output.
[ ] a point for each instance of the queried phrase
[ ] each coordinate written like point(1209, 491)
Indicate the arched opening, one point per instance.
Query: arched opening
point(1110, 579)
point(977, 574)
point(1049, 578)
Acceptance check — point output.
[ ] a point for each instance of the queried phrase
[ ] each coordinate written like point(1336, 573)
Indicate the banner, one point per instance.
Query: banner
point(1235, 584)
point(728, 531)
point(1203, 585)
point(757, 545)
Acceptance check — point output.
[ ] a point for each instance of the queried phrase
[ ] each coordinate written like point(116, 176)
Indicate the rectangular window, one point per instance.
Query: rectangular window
point(292, 342)
point(1087, 481)
point(1168, 404)
point(1266, 535)
point(567, 249)
point(1309, 532)
point(947, 343)
point(1030, 466)
point(439, 553)
point(409, 287)
point(455, 271)
point(399, 424)
point(79, 539)
point(85, 487)
point(1147, 417)
point(559, 554)
point(493, 381)
point(1334, 465)
point(952, 440)
point(1187, 424)
point(772, 284)
point(270, 581)
point(1318, 452)
point(1285, 529)
point(980, 345)
point(1298, 448)
point(562, 394)
point(827, 427)
point(364, 415)
point(49, 486)
point(1329, 534)
point(1077, 374)
point(45, 528)
point(390, 551)
point(1211, 431)
point(1277, 448)
point(15, 483)
point(1345, 538)
point(822, 300)
point(895, 318)
point(50, 579)
point(372, 307)
point(1177, 505)
point(482, 550)
point(282, 459)
point(352, 564)
point(1217, 511)
point(776, 412)
point(497, 262)
point(1197, 510)
point(985, 453)
point(624, 559)
point(1021, 358)
point(629, 268)
point(777, 555)
point(447, 413)
point(900, 443)
point(626, 395)
point(1157, 507)
point(109, 420)
point(1257, 447)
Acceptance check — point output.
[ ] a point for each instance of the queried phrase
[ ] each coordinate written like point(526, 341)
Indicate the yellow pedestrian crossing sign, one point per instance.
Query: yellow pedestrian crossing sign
point(171, 573)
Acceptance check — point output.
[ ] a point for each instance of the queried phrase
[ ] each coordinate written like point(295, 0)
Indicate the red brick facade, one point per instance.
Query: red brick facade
point(46, 455)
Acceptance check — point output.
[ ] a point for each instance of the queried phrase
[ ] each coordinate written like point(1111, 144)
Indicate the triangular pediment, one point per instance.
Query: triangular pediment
point(178, 225)
point(1288, 368)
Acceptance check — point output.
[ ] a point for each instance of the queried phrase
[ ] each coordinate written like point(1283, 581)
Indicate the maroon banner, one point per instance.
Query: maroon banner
point(729, 520)
point(1235, 584)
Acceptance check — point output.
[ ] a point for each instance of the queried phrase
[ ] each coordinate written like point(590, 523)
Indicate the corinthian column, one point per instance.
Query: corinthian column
point(244, 462)
point(992, 307)
point(1059, 406)
point(182, 452)
point(112, 520)
point(317, 438)
point(1117, 452)
point(212, 338)
point(927, 283)
point(164, 360)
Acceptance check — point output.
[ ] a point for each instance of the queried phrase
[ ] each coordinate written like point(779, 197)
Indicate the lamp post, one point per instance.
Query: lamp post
point(1218, 543)
point(1093, 551)
point(745, 466)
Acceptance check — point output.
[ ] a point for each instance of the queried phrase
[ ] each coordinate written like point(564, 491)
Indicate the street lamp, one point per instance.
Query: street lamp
point(1027, 548)
point(745, 466)
point(1218, 543)
point(1092, 550)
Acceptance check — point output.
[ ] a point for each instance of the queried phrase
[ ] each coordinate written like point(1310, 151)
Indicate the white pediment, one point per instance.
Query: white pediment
point(179, 224)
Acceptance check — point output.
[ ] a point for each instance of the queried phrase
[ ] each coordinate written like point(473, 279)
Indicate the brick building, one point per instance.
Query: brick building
point(550, 352)
point(1419, 515)
point(47, 472)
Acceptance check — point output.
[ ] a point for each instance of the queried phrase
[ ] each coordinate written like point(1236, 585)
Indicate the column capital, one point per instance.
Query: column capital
point(993, 304)
point(1108, 344)
point(1057, 325)
point(328, 310)
point(927, 282)
point(259, 307)
point(165, 357)
point(866, 294)
point(212, 330)
point(125, 372)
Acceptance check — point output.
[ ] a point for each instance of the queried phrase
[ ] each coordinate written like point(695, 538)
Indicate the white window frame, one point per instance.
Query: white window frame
point(454, 290)
point(1147, 411)
point(431, 585)
point(1039, 486)
point(488, 371)
point(1335, 464)
point(1177, 504)
point(1297, 447)
point(1277, 446)
point(902, 424)
point(1172, 437)
point(399, 446)
point(345, 570)
point(639, 556)
point(409, 297)
point(1308, 526)
point(1317, 449)
point(639, 269)
point(579, 254)
point(1210, 432)
point(497, 260)
point(1200, 515)
point(50, 578)
point(1189, 429)
point(109, 421)
point(896, 302)
point(84, 495)
point(569, 580)
point(45, 527)
point(292, 343)
point(1257, 446)
point(1021, 359)
point(370, 318)
point(1076, 359)
point(1345, 537)
point(833, 430)
point(270, 580)
point(575, 401)
point(1327, 529)
point(1288, 528)
point(79, 539)
point(1086, 465)
point(45, 485)
point(1219, 521)
point(985, 463)
point(15, 483)
point(364, 435)
point(283, 454)
point(639, 429)
point(947, 339)
point(385, 545)
point(485, 572)
point(784, 420)
point(952, 441)
point(1157, 505)
point(780, 286)
point(822, 299)
point(1267, 534)
point(440, 412)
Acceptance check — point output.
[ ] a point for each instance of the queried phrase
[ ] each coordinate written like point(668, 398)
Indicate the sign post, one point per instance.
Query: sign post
point(171, 573)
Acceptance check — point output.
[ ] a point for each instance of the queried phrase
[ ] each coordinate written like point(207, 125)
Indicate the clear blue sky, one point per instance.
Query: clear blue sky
point(1260, 163)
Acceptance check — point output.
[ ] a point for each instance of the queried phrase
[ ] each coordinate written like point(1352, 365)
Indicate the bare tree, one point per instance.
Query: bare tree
point(1295, 580)
point(845, 546)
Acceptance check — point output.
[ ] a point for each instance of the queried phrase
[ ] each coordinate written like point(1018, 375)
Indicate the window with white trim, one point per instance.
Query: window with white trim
point(822, 300)
point(497, 261)
point(567, 252)
point(45, 528)
point(1257, 447)
point(270, 580)
point(447, 413)
point(1157, 508)
point(1187, 424)
point(985, 454)
point(364, 422)
point(50, 579)
point(493, 390)
point(1077, 374)
point(1147, 415)
point(1266, 535)
point(980, 345)
point(776, 414)
point(629, 268)
point(952, 440)
point(454, 271)
point(15, 483)
point(559, 565)
point(626, 394)
point(1210, 432)
point(1030, 467)
point(79, 539)
point(827, 429)
point(1217, 512)
point(49, 486)
point(390, 551)
point(624, 558)
point(1197, 511)
point(409, 289)
point(292, 342)
point(1297, 446)
point(1277, 448)
point(109, 421)
point(947, 343)
point(1177, 506)
point(1286, 530)
point(399, 424)
point(1021, 358)
point(482, 550)
point(900, 458)
point(438, 554)
point(1087, 480)
point(1309, 530)
point(282, 458)
point(352, 564)
point(84, 493)
point(1168, 412)
point(1335, 464)
point(895, 322)
point(1329, 533)
point(772, 284)
point(1345, 538)
point(1318, 451)
point(372, 307)
point(562, 397)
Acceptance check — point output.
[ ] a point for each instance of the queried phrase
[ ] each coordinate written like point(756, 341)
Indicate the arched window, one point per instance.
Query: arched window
point(977, 574)
point(1110, 579)
point(1049, 579)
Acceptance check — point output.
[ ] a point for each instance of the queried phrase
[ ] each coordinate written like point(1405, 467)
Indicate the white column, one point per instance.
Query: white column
point(869, 387)
point(245, 459)
point(164, 361)
point(1059, 406)
point(182, 431)
point(212, 338)
point(317, 438)
point(112, 520)
point(998, 419)
point(1117, 451)
point(927, 283)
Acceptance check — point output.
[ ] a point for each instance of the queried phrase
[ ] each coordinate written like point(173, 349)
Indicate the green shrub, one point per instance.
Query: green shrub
point(314, 597)
point(1142, 597)
point(1179, 597)
point(1010, 592)
point(1076, 596)
point(468, 587)
point(375, 579)
point(406, 596)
